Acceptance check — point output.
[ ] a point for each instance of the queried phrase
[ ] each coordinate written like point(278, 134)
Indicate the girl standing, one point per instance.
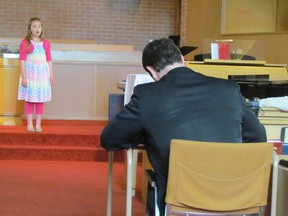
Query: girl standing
point(36, 73)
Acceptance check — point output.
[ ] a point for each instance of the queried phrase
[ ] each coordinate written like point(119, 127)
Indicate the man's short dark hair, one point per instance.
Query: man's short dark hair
point(160, 53)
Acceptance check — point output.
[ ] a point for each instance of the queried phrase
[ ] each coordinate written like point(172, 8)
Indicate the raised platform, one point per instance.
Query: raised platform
point(69, 140)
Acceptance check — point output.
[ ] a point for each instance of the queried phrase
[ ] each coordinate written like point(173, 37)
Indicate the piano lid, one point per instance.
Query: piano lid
point(260, 86)
point(260, 80)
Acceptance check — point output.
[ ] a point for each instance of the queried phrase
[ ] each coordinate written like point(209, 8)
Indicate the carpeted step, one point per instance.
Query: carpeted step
point(57, 153)
point(50, 139)
point(61, 140)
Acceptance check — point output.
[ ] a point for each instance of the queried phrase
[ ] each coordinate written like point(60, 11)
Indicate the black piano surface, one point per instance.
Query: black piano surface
point(260, 86)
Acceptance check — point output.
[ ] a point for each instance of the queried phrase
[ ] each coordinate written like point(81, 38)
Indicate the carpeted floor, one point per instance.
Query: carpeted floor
point(62, 188)
point(60, 172)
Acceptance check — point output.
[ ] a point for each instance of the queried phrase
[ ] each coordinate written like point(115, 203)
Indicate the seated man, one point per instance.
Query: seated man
point(181, 104)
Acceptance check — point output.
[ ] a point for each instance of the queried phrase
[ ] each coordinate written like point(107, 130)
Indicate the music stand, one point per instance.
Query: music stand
point(187, 49)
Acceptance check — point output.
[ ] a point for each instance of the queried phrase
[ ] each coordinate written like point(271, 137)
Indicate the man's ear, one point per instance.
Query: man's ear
point(154, 74)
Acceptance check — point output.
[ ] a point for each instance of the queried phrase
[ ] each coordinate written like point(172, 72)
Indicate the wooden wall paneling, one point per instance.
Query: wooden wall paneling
point(72, 92)
point(282, 16)
point(246, 16)
point(81, 90)
point(203, 21)
point(107, 77)
point(177, 25)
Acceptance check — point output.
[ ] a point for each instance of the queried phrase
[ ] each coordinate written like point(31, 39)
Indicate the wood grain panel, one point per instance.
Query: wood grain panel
point(107, 78)
point(246, 16)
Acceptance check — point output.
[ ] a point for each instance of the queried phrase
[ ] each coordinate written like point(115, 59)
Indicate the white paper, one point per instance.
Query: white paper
point(214, 51)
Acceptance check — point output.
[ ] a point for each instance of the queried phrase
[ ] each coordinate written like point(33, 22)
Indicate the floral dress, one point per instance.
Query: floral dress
point(38, 77)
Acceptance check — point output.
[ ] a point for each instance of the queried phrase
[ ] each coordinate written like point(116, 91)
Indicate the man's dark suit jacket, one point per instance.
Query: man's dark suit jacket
point(183, 104)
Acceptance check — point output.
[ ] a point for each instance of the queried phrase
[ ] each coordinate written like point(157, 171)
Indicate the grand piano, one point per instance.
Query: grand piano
point(260, 86)
point(256, 79)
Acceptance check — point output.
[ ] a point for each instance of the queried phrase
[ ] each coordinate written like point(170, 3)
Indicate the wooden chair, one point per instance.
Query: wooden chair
point(219, 178)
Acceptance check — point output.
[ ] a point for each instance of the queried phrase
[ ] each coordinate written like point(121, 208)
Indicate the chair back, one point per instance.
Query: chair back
point(218, 176)
point(116, 103)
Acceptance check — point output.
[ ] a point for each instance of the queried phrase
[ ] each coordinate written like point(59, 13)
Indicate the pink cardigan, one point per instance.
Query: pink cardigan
point(23, 51)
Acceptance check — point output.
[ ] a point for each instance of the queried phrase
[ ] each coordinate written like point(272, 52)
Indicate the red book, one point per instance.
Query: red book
point(277, 146)
point(223, 50)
